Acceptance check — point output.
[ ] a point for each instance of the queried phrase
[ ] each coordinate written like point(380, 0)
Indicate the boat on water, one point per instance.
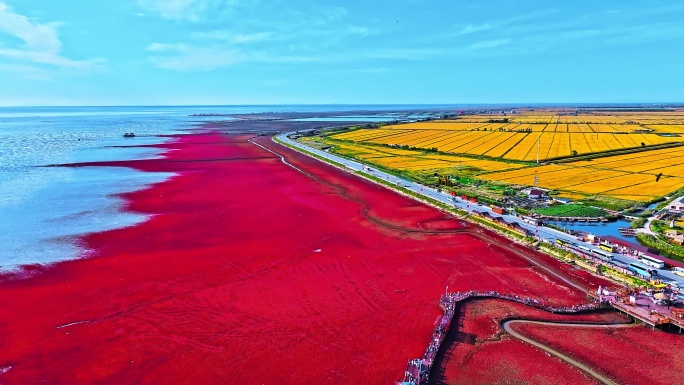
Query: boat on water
point(627, 231)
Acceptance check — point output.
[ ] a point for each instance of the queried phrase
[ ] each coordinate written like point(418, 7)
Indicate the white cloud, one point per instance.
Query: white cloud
point(39, 37)
point(294, 40)
point(487, 44)
point(41, 43)
point(50, 59)
point(359, 30)
point(331, 13)
point(369, 70)
point(192, 10)
point(421, 53)
point(196, 59)
point(580, 33)
point(164, 47)
point(235, 38)
point(27, 71)
point(185, 57)
point(470, 29)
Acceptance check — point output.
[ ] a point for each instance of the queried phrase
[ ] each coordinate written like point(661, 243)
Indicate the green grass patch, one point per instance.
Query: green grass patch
point(638, 223)
point(608, 203)
point(571, 210)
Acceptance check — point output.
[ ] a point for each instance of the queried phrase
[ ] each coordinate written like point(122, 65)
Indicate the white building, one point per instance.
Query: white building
point(535, 194)
point(677, 205)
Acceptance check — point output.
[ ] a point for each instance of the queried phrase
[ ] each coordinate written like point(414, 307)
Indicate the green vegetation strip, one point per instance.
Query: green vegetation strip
point(670, 250)
point(571, 210)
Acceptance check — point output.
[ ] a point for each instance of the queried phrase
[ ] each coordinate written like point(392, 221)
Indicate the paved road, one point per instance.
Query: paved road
point(542, 232)
point(647, 226)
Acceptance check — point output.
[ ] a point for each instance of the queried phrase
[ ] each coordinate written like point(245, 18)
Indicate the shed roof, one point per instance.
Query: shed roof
point(679, 200)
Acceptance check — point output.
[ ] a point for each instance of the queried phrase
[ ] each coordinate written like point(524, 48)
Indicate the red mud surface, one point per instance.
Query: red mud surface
point(252, 272)
point(478, 351)
point(633, 355)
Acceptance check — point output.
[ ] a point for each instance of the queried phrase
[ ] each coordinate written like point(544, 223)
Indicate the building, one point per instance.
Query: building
point(484, 215)
point(674, 236)
point(677, 205)
point(535, 194)
point(499, 220)
point(515, 226)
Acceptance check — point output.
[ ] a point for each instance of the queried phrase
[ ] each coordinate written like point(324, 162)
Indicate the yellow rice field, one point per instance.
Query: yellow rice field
point(546, 141)
point(579, 117)
point(630, 176)
point(416, 161)
point(543, 135)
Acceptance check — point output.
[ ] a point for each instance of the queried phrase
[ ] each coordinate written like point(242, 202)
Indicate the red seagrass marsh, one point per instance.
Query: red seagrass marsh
point(637, 345)
point(252, 270)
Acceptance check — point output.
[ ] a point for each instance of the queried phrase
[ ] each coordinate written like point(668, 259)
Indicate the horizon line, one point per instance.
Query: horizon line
point(459, 104)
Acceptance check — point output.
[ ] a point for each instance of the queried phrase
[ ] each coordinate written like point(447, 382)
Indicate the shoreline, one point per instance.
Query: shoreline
point(64, 203)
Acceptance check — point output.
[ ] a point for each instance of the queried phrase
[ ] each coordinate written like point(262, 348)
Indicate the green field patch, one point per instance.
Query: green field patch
point(571, 210)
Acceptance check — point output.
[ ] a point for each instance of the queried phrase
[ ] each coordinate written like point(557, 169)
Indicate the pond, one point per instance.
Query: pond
point(597, 228)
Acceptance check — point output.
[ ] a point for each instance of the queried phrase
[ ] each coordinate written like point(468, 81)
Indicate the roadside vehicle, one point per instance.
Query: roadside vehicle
point(640, 269)
point(602, 255)
point(584, 249)
point(650, 261)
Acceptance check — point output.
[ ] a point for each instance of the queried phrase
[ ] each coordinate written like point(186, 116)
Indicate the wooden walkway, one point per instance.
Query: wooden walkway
point(646, 316)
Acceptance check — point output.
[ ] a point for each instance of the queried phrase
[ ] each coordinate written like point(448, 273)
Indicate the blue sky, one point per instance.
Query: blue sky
point(144, 52)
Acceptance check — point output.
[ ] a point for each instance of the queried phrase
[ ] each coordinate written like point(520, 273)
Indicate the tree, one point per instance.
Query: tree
point(574, 152)
point(643, 144)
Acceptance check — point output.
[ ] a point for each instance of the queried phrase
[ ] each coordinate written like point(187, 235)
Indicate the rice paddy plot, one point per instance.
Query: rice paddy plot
point(412, 160)
point(510, 141)
point(629, 176)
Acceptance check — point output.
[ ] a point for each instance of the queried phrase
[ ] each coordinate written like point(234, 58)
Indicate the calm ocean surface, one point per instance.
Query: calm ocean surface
point(43, 209)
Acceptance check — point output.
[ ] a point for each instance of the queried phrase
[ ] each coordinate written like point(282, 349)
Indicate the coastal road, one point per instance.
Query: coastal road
point(545, 234)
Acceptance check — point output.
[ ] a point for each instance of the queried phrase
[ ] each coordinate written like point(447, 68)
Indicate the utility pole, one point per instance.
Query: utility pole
point(538, 144)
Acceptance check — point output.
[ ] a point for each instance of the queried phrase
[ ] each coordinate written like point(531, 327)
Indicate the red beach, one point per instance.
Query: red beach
point(253, 270)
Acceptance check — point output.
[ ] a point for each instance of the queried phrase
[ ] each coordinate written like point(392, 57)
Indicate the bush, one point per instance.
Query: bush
point(658, 226)
point(522, 211)
point(638, 223)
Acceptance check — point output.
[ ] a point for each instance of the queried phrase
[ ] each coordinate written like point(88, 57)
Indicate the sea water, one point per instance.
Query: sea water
point(43, 210)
